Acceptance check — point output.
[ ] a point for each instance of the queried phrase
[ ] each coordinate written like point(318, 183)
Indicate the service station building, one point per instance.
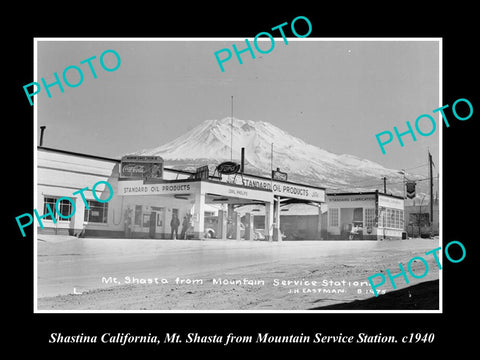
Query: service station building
point(365, 216)
point(144, 207)
point(206, 203)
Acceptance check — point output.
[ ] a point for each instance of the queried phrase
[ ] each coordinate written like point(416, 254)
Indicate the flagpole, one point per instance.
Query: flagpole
point(271, 165)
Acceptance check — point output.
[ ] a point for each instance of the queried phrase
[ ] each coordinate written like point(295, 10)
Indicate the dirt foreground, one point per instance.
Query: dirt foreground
point(303, 282)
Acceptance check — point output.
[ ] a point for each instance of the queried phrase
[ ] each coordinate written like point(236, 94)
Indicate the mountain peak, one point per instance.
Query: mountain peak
point(240, 125)
point(211, 143)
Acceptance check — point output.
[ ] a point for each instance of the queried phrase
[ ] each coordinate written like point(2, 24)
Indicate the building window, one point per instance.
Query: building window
point(98, 212)
point(66, 209)
point(51, 204)
point(64, 206)
point(391, 218)
point(333, 217)
point(370, 217)
point(381, 216)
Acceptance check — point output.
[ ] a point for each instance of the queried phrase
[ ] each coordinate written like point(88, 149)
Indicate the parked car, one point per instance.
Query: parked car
point(211, 232)
point(259, 234)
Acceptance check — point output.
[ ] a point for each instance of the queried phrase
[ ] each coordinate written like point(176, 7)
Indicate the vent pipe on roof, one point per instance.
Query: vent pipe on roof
point(242, 163)
point(42, 129)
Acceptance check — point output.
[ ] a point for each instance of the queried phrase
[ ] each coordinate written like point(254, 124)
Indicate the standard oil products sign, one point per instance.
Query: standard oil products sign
point(141, 167)
point(138, 187)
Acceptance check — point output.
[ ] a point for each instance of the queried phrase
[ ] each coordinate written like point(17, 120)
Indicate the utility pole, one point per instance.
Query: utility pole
point(431, 188)
point(271, 161)
point(384, 184)
point(404, 183)
point(420, 218)
point(231, 133)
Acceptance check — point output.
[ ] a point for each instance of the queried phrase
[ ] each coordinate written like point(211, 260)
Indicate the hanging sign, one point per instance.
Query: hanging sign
point(410, 186)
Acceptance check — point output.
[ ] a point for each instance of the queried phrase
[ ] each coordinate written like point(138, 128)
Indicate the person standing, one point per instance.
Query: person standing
point(185, 224)
point(174, 223)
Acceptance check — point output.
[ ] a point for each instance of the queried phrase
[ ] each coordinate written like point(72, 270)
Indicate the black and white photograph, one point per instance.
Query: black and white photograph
point(272, 192)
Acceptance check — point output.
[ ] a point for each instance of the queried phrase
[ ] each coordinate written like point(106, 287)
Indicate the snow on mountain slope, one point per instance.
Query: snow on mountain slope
point(210, 143)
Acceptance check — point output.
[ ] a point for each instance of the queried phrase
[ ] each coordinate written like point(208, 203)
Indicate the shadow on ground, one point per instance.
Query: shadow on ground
point(423, 296)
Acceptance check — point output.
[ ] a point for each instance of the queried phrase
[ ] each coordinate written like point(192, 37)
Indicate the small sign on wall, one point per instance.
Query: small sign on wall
point(141, 167)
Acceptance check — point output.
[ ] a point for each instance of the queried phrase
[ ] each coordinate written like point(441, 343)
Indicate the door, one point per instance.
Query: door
point(160, 221)
point(358, 215)
point(152, 224)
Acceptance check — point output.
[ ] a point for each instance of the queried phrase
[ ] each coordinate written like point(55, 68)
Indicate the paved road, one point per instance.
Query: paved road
point(67, 264)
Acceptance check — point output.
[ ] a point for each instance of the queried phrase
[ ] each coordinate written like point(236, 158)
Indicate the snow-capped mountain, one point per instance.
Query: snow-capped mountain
point(210, 143)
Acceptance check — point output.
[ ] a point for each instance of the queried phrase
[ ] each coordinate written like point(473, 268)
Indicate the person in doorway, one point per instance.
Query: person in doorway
point(354, 234)
point(174, 224)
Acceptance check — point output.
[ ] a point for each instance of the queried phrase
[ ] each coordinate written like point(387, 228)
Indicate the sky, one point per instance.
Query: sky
point(336, 95)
